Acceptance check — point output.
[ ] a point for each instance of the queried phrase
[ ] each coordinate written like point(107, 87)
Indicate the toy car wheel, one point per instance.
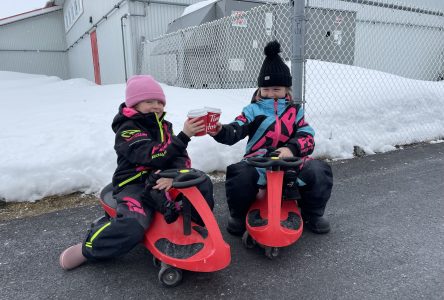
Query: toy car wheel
point(271, 252)
point(248, 241)
point(156, 262)
point(170, 276)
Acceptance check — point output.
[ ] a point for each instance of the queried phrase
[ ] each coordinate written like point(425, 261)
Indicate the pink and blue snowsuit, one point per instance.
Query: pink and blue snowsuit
point(271, 124)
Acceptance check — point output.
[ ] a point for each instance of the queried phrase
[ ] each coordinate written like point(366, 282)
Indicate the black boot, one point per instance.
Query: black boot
point(316, 224)
point(236, 226)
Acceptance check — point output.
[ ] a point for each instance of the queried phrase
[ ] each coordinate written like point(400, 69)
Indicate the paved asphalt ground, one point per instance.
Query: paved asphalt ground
point(387, 242)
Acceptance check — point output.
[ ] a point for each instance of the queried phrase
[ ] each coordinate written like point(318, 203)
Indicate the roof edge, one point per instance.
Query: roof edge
point(29, 14)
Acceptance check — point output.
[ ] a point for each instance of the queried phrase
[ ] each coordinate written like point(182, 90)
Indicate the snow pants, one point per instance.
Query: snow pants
point(315, 180)
point(113, 237)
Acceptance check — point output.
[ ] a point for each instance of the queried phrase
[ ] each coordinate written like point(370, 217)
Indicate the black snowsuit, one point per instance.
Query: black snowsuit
point(144, 143)
point(271, 124)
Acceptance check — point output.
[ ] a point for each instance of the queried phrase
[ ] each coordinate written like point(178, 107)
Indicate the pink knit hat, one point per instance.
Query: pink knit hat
point(143, 87)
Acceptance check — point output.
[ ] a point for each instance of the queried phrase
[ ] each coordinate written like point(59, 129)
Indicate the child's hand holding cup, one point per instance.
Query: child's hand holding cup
point(203, 121)
point(196, 124)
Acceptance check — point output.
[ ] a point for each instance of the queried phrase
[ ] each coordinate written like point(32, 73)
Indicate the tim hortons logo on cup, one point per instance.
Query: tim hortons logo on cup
point(213, 117)
point(210, 115)
point(211, 127)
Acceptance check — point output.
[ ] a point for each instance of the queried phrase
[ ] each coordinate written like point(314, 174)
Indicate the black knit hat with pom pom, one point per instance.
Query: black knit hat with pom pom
point(274, 72)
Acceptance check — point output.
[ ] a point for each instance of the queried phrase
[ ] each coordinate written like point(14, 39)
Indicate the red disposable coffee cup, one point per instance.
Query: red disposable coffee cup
point(201, 114)
point(213, 115)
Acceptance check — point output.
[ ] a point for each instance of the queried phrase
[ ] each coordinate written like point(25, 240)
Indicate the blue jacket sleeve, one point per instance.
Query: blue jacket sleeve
point(237, 130)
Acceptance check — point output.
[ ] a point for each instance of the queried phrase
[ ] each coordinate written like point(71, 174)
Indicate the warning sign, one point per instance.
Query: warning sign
point(338, 20)
point(239, 18)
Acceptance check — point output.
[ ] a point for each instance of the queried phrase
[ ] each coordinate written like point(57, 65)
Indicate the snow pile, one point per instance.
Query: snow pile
point(56, 135)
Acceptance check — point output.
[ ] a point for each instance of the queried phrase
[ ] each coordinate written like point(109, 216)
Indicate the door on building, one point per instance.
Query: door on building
point(95, 56)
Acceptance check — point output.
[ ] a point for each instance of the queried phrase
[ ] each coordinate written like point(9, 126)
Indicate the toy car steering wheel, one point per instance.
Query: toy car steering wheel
point(183, 178)
point(265, 162)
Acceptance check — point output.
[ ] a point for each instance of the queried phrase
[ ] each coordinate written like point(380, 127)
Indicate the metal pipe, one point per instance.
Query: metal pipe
point(125, 16)
point(375, 22)
point(397, 7)
point(32, 50)
point(161, 2)
point(298, 50)
point(123, 37)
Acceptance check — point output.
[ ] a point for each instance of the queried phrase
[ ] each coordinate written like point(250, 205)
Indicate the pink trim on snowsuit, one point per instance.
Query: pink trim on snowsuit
point(134, 205)
point(288, 119)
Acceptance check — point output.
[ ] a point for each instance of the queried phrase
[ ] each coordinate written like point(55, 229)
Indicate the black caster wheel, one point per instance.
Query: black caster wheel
point(248, 241)
point(271, 252)
point(170, 276)
point(156, 262)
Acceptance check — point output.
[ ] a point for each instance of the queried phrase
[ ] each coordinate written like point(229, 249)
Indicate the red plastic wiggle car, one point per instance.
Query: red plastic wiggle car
point(182, 244)
point(273, 222)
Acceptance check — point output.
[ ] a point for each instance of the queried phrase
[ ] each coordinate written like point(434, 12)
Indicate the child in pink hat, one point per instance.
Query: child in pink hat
point(144, 144)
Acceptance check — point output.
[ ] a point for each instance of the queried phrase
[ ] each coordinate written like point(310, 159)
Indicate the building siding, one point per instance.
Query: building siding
point(108, 41)
point(155, 23)
point(35, 45)
point(393, 41)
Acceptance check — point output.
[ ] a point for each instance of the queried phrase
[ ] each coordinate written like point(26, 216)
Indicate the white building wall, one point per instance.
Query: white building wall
point(80, 60)
point(91, 8)
point(155, 23)
point(35, 45)
point(109, 41)
point(404, 43)
point(412, 52)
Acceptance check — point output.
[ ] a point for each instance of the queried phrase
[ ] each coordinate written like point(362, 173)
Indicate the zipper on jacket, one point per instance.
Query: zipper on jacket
point(159, 123)
point(132, 178)
point(277, 127)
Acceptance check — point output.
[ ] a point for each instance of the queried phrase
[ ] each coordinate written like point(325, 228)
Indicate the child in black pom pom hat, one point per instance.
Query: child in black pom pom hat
point(274, 72)
point(273, 122)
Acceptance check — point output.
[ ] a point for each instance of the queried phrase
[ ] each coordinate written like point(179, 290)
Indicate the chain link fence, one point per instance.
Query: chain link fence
point(225, 53)
point(380, 54)
point(356, 52)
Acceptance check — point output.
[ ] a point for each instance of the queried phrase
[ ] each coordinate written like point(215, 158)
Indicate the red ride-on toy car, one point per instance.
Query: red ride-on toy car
point(182, 244)
point(273, 222)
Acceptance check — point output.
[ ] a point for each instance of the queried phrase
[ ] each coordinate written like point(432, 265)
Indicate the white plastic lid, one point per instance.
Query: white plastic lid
point(213, 110)
point(197, 113)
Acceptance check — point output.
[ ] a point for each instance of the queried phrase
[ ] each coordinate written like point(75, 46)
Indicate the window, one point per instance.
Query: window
point(72, 13)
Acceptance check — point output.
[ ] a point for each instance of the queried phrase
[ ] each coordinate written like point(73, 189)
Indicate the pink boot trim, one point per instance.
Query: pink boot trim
point(72, 257)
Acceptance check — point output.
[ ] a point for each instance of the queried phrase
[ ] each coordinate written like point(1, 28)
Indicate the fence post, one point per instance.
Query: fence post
point(298, 50)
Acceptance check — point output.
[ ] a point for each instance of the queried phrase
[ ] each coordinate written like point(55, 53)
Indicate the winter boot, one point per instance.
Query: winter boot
point(72, 257)
point(316, 224)
point(236, 226)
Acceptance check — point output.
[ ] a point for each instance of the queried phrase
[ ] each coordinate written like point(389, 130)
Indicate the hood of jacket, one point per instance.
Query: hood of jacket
point(127, 113)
